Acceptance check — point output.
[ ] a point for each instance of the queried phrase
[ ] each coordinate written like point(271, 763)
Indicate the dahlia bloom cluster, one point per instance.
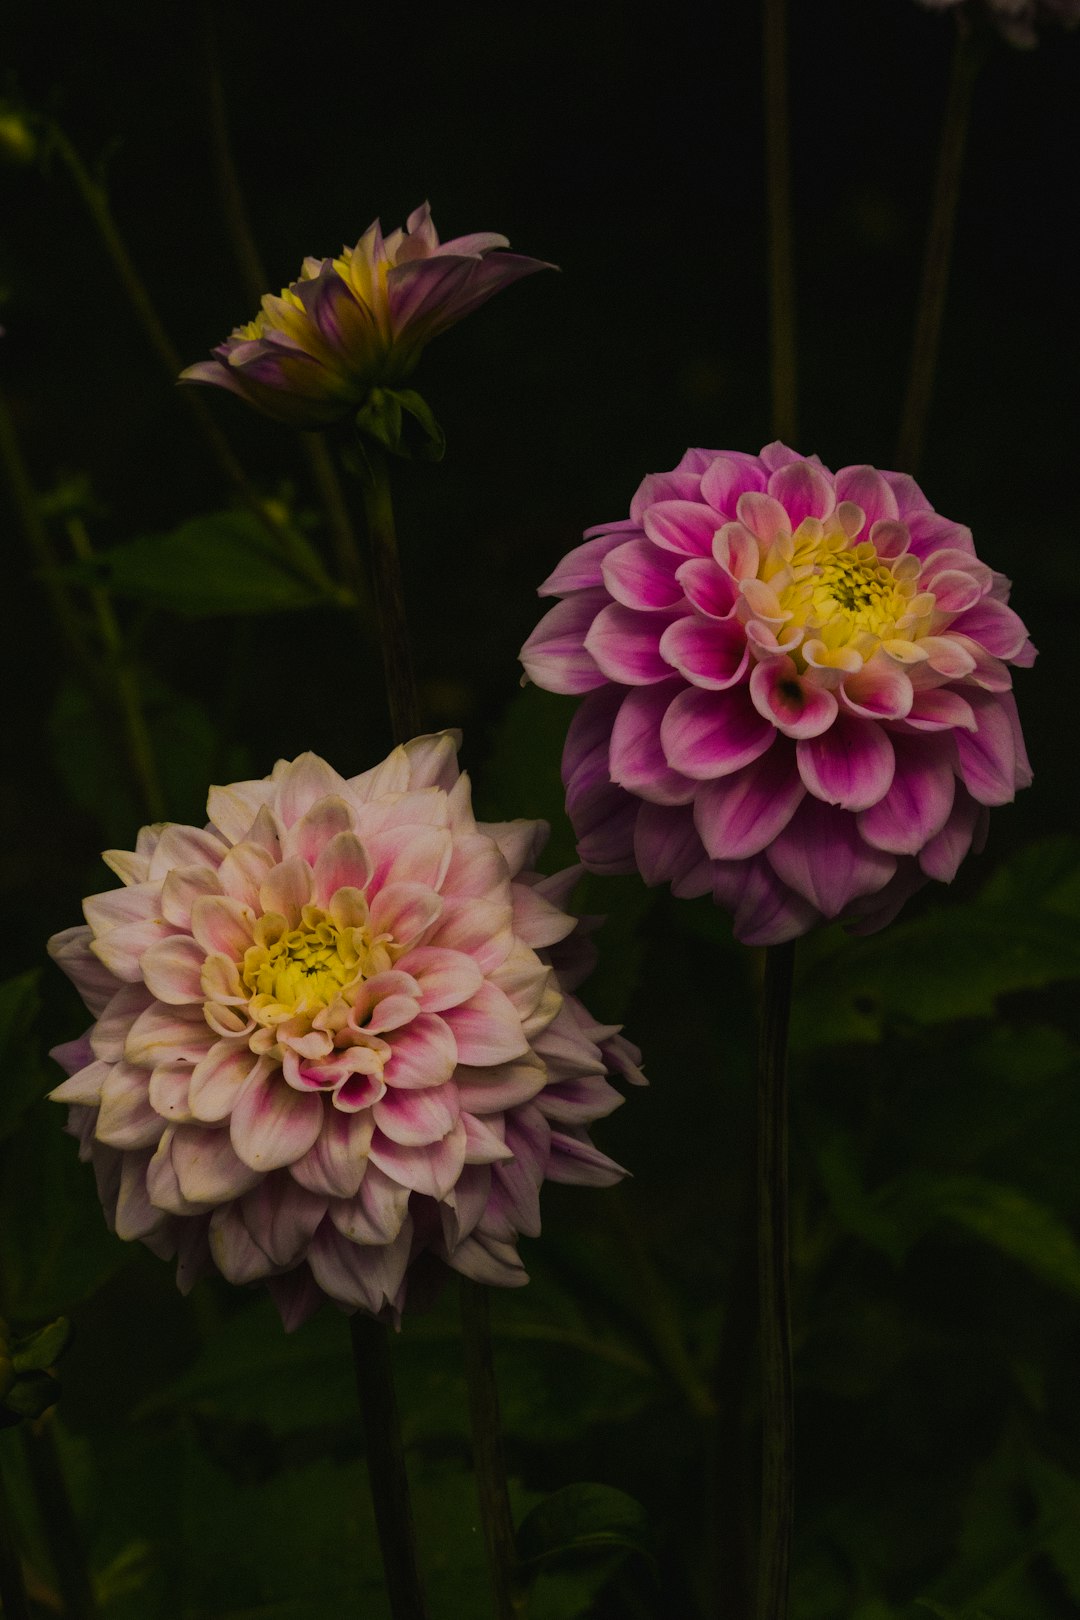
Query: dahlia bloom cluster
point(359, 321)
point(1019, 21)
point(798, 689)
point(334, 1031)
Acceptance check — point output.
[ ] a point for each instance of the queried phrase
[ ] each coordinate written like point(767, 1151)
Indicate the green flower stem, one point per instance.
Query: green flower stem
point(778, 198)
point(324, 473)
point(96, 202)
point(937, 256)
point(58, 1522)
point(136, 734)
point(777, 1401)
point(733, 1461)
point(488, 1464)
point(389, 594)
point(386, 1467)
point(13, 1598)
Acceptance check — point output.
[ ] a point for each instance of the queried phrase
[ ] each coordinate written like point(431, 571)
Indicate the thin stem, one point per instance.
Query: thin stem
point(778, 196)
point(136, 733)
point(777, 1400)
point(58, 1522)
point(937, 256)
point(401, 692)
point(386, 1467)
point(94, 198)
point(253, 274)
point(13, 1598)
point(735, 1372)
point(488, 1463)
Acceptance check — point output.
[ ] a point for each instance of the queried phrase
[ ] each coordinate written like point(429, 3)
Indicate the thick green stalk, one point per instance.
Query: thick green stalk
point(488, 1463)
point(774, 1305)
point(389, 594)
point(58, 1522)
point(937, 256)
point(778, 197)
point(386, 1467)
point(13, 1598)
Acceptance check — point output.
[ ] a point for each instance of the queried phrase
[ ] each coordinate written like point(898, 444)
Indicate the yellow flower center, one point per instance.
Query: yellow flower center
point(846, 598)
point(305, 969)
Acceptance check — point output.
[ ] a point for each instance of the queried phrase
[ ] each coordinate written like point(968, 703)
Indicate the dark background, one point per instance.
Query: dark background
point(935, 1320)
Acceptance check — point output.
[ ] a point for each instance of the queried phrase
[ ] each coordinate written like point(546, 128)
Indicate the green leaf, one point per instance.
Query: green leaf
point(43, 1348)
point(222, 563)
point(584, 1518)
point(31, 1394)
point(21, 1077)
point(382, 418)
point(1008, 1220)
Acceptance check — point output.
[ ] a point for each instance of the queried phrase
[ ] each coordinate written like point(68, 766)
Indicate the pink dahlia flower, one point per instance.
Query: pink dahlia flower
point(334, 1032)
point(359, 321)
point(798, 689)
point(1019, 21)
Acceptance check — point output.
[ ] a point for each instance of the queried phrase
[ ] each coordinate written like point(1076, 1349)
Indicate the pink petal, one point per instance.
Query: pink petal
point(122, 949)
point(418, 1118)
point(136, 1216)
point(410, 854)
point(282, 1217)
point(640, 575)
point(821, 856)
point(995, 626)
point(918, 803)
point(878, 691)
point(791, 701)
point(709, 587)
point(488, 1261)
point(186, 846)
point(941, 858)
point(505, 1085)
point(167, 1034)
point(677, 485)
point(109, 1035)
point(736, 551)
point(477, 928)
point(70, 950)
point(182, 888)
point(710, 653)
point(686, 527)
point(272, 1124)
point(555, 656)
point(867, 488)
point(423, 1054)
point(940, 708)
point(169, 1084)
point(84, 1085)
point(987, 756)
point(343, 862)
point(766, 911)
point(232, 809)
point(581, 569)
point(625, 645)
point(764, 517)
point(667, 847)
point(376, 1213)
point(172, 970)
point(235, 1253)
point(726, 479)
point(324, 821)
point(302, 784)
point(486, 1028)
point(740, 814)
point(575, 1160)
point(127, 1118)
point(537, 922)
point(707, 734)
point(242, 872)
point(477, 867)
point(803, 490)
point(637, 759)
point(851, 764)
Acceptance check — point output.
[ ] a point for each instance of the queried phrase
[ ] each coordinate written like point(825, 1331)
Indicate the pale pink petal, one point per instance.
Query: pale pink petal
point(940, 708)
point(486, 1028)
point(764, 517)
point(537, 922)
point(375, 1213)
point(136, 1217)
point(84, 1085)
point(881, 690)
point(737, 551)
point(242, 872)
point(418, 1118)
point(324, 821)
point(271, 1124)
point(282, 1217)
point(235, 1253)
point(172, 970)
point(182, 888)
point(232, 809)
point(626, 644)
point(169, 1084)
point(207, 1168)
point(519, 842)
point(995, 626)
point(404, 912)
point(423, 1054)
point(167, 1034)
point(505, 1085)
point(726, 478)
point(485, 1141)
point(218, 1078)
point(478, 928)
point(301, 784)
point(431, 1170)
point(286, 889)
point(409, 855)
point(335, 1164)
point(127, 1118)
point(488, 1261)
point(109, 1035)
point(707, 734)
point(186, 846)
point(297, 1297)
point(851, 764)
point(343, 862)
point(866, 487)
point(222, 925)
point(738, 815)
point(575, 1160)
point(70, 950)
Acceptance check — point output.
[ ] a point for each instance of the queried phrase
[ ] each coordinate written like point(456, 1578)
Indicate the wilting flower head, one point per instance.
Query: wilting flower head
point(334, 1032)
point(799, 697)
point(359, 321)
point(1019, 21)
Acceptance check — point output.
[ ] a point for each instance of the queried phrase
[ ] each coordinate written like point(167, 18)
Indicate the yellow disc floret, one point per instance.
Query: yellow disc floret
point(303, 970)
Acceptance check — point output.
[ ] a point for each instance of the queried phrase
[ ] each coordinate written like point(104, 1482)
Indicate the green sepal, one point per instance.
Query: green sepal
point(31, 1394)
point(388, 415)
point(42, 1348)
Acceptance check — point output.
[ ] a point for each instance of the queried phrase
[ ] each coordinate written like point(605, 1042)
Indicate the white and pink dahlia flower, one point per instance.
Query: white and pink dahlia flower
point(798, 689)
point(334, 1033)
